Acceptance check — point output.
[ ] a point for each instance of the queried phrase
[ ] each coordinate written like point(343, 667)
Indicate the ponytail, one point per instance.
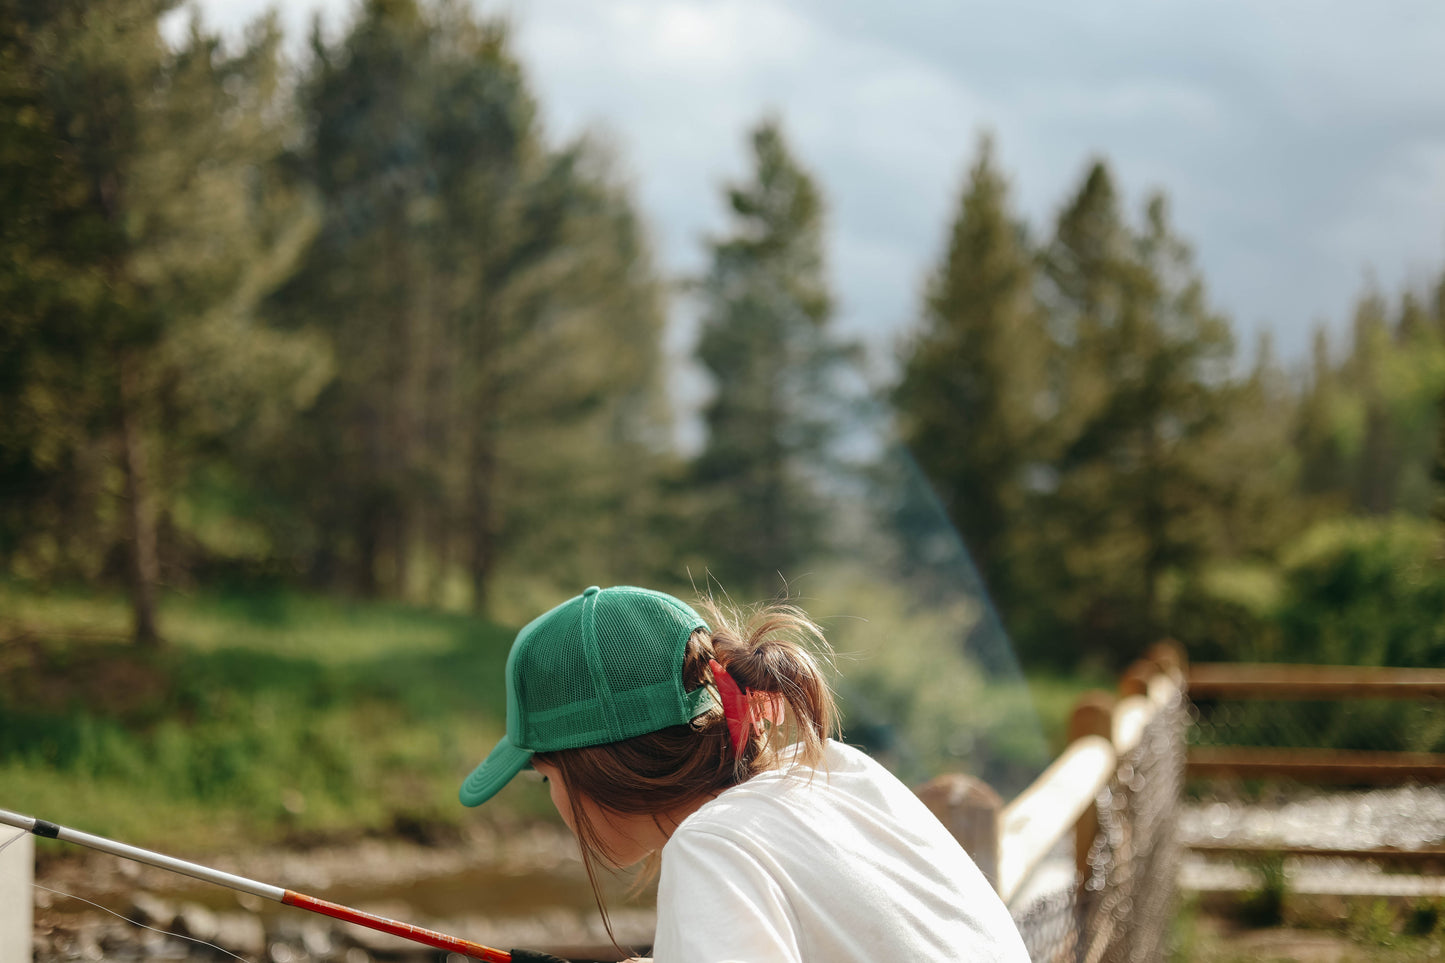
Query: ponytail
point(775, 653)
point(770, 653)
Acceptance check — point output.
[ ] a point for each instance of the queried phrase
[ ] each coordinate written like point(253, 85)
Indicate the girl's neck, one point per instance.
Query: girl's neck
point(655, 830)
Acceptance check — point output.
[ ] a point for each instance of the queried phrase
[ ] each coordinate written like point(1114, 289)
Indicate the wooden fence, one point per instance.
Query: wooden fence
point(1010, 841)
point(1259, 681)
point(1061, 809)
point(1319, 869)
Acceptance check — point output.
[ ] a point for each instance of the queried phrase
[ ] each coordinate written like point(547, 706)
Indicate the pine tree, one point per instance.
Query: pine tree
point(1376, 461)
point(1366, 426)
point(1250, 466)
point(1143, 367)
point(1437, 471)
point(1322, 467)
point(155, 227)
point(969, 399)
point(374, 281)
point(1089, 280)
point(775, 366)
point(493, 309)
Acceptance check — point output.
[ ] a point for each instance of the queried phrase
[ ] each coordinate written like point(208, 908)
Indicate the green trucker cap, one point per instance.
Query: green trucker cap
point(601, 667)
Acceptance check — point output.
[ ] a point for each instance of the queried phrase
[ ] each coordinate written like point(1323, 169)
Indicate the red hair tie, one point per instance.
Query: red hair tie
point(736, 706)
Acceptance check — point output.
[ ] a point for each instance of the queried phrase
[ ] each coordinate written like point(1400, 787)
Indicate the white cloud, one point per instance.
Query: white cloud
point(885, 133)
point(1127, 103)
point(1401, 208)
point(1298, 139)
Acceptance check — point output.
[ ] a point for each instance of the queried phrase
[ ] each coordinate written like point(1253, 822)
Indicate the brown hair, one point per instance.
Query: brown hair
point(769, 650)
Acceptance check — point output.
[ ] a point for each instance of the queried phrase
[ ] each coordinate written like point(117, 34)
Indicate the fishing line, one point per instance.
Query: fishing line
point(80, 899)
point(189, 939)
point(22, 834)
point(408, 931)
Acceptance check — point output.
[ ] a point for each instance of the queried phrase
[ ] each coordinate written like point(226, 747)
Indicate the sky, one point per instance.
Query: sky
point(1301, 143)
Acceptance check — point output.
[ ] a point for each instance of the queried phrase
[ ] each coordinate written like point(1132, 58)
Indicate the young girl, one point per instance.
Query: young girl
point(705, 743)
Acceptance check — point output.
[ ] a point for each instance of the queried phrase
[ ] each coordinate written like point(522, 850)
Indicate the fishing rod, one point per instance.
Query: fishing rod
point(276, 894)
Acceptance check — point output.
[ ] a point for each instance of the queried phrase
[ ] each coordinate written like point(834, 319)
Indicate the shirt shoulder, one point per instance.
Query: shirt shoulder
point(812, 855)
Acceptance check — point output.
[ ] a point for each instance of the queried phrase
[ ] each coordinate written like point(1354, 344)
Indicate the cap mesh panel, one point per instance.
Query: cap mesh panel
point(640, 639)
point(639, 645)
point(556, 692)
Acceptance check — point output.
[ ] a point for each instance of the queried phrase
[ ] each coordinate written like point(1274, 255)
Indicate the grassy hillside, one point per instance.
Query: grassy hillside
point(268, 716)
point(279, 716)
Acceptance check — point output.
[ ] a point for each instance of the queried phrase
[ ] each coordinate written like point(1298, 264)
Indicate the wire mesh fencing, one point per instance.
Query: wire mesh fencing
point(1117, 905)
point(1049, 924)
point(1356, 725)
point(1129, 892)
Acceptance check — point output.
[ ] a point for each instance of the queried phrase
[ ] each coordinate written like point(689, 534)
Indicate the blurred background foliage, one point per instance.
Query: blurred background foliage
point(280, 344)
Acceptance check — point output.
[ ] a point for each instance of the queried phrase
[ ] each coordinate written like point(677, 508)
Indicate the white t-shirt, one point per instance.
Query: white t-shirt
point(847, 866)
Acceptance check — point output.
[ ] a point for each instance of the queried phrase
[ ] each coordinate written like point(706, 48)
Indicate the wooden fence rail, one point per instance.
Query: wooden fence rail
point(1263, 681)
point(1321, 682)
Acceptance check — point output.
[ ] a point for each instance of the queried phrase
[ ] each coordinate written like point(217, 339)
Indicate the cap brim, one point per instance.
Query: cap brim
point(504, 762)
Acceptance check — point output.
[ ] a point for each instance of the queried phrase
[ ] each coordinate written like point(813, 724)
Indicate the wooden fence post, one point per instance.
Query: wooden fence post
point(1093, 715)
point(1135, 680)
point(17, 899)
point(970, 809)
point(1171, 658)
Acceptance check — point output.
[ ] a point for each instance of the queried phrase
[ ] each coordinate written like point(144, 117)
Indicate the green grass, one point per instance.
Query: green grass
point(1368, 931)
point(266, 716)
point(276, 715)
point(328, 630)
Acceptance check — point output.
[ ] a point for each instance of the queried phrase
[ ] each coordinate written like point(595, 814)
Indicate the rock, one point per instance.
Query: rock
point(118, 938)
point(149, 910)
point(316, 940)
point(240, 933)
point(195, 921)
point(159, 946)
point(87, 942)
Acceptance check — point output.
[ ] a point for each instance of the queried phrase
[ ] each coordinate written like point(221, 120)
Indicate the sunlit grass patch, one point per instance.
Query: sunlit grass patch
point(265, 716)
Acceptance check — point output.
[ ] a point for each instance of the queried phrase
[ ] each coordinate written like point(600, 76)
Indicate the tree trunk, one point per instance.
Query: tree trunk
point(439, 544)
point(1156, 524)
point(1438, 471)
point(400, 537)
point(483, 512)
point(140, 511)
point(368, 548)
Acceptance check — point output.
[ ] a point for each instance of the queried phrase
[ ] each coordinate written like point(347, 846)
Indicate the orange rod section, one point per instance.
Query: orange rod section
point(396, 928)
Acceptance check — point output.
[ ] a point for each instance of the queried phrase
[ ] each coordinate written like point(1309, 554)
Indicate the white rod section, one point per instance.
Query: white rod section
point(194, 870)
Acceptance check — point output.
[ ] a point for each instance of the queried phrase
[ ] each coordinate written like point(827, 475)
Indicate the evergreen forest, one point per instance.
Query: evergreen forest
point(358, 326)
